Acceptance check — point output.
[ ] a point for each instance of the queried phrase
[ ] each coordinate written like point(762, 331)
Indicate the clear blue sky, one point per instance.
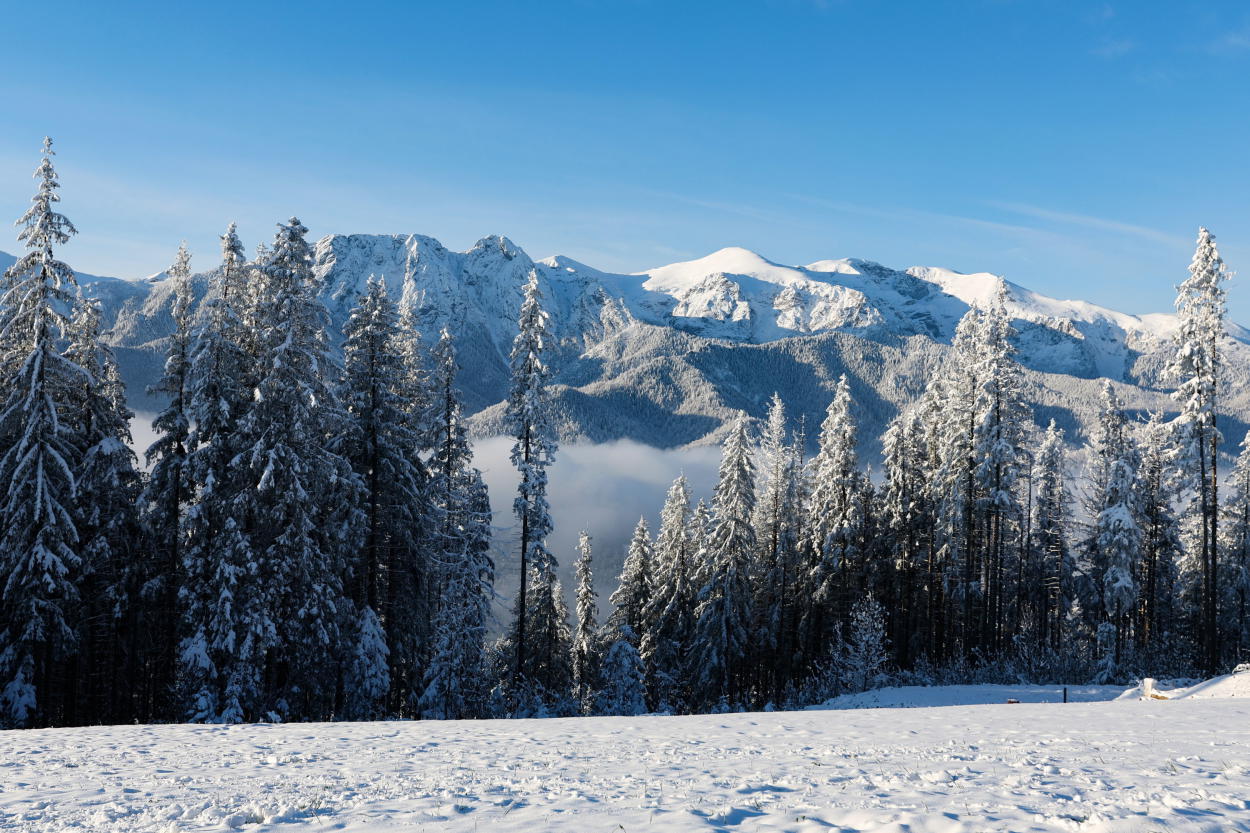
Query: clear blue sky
point(1074, 147)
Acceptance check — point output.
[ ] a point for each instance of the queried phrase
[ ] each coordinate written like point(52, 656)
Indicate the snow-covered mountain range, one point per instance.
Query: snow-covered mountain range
point(665, 356)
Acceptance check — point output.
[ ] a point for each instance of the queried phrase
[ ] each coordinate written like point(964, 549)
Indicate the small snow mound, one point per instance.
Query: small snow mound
point(1236, 684)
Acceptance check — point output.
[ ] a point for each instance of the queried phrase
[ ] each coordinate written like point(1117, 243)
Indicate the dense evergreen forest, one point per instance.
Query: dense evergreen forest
point(310, 539)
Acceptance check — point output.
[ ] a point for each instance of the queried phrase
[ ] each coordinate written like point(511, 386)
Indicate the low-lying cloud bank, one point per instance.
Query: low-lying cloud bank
point(603, 488)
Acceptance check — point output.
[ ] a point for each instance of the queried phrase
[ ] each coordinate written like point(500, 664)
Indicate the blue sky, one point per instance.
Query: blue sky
point(1074, 147)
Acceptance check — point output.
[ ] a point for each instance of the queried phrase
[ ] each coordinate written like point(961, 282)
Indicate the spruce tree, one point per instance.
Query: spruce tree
point(39, 556)
point(383, 452)
point(623, 691)
point(669, 614)
point(723, 618)
point(634, 585)
point(1119, 539)
point(1197, 367)
point(955, 484)
point(865, 652)
point(834, 523)
point(168, 490)
point(454, 675)
point(776, 527)
point(585, 642)
point(998, 438)
point(1237, 553)
point(217, 661)
point(115, 644)
point(1111, 539)
point(908, 521)
point(459, 525)
point(414, 585)
point(538, 631)
point(1157, 484)
point(300, 496)
point(1048, 574)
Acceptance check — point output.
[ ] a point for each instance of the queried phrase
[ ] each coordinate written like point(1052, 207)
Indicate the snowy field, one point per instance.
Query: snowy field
point(1127, 765)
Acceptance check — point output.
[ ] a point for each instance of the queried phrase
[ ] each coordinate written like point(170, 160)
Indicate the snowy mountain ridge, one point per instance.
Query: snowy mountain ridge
point(665, 355)
point(736, 295)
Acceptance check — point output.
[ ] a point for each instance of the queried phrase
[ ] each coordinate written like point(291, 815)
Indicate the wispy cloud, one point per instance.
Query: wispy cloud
point(1114, 48)
point(738, 209)
point(1237, 40)
point(915, 214)
point(1104, 12)
point(1086, 221)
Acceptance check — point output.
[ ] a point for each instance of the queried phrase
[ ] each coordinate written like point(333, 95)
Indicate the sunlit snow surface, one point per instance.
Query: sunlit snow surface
point(1125, 766)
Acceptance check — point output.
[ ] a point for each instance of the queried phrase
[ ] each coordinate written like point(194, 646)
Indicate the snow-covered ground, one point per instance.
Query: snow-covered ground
point(1128, 765)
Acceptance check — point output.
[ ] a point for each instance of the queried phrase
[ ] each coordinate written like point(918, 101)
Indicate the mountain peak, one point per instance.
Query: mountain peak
point(732, 260)
point(498, 243)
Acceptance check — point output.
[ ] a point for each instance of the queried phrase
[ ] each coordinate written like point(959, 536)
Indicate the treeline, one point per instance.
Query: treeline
point(311, 540)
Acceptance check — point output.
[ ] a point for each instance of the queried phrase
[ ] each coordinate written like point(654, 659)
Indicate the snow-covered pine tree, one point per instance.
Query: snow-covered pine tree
point(669, 614)
point(383, 451)
point(254, 312)
point(700, 538)
point(1119, 541)
point(834, 525)
point(368, 678)
point(218, 667)
point(459, 526)
point(116, 647)
point(622, 690)
point(417, 383)
point(1111, 443)
point(301, 498)
point(217, 395)
point(1047, 574)
point(997, 449)
point(1157, 484)
point(414, 596)
point(958, 389)
point(721, 652)
point(930, 429)
point(1236, 561)
point(541, 658)
point(907, 518)
point(1197, 367)
point(634, 585)
point(866, 650)
point(776, 526)
point(585, 640)
point(39, 556)
point(550, 673)
point(455, 685)
point(168, 489)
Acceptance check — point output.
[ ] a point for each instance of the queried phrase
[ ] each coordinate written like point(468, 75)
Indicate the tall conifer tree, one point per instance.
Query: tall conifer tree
point(1197, 366)
point(539, 632)
point(39, 556)
point(723, 618)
